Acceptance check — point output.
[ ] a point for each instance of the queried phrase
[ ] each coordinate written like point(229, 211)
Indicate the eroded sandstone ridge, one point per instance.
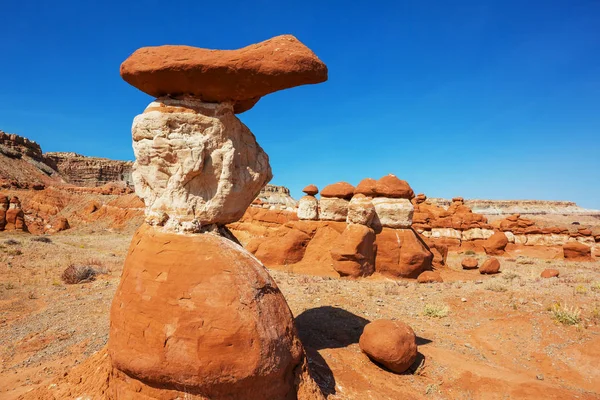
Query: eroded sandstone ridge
point(196, 316)
point(90, 171)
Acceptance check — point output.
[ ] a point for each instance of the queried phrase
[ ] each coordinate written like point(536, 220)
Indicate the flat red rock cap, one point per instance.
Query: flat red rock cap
point(342, 190)
point(311, 190)
point(242, 76)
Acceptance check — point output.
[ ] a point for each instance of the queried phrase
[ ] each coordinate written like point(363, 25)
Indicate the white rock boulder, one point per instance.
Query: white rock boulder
point(392, 213)
point(308, 208)
point(360, 210)
point(196, 164)
point(333, 209)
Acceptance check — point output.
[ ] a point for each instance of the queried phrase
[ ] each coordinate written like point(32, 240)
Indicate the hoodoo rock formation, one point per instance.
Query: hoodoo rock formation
point(195, 314)
point(14, 218)
point(308, 206)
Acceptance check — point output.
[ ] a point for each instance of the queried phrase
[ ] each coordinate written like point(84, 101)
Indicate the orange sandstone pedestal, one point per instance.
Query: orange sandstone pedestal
point(198, 317)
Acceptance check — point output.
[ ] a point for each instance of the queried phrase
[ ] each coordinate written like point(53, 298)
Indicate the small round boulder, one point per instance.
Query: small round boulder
point(429, 277)
point(390, 343)
point(469, 263)
point(550, 273)
point(490, 266)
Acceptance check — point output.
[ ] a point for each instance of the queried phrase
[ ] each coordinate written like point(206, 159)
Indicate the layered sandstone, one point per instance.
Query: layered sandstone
point(90, 171)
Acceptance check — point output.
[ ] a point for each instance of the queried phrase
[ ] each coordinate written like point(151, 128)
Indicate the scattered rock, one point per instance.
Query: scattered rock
point(429, 277)
point(490, 266)
point(550, 273)
point(390, 343)
point(469, 263)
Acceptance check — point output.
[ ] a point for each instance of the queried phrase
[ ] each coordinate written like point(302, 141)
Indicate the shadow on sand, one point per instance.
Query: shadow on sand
point(331, 328)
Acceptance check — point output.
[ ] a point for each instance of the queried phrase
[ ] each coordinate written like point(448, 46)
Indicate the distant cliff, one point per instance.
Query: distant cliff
point(277, 196)
point(90, 171)
point(523, 207)
point(23, 165)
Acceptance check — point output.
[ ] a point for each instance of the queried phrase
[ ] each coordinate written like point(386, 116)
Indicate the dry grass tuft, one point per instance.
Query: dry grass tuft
point(435, 311)
point(566, 315)
point(83, 273)
point(496, 287)
point(41, 239)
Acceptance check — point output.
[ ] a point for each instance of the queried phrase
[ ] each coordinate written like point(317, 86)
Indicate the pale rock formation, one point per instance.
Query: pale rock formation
point(392, 213)
point(360, 210)
point(196, 164)
point(308, 208)
point(477, 233)
point(333, 209)
point(446, 233)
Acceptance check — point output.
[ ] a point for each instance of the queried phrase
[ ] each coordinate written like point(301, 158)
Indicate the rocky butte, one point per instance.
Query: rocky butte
point(196, 316)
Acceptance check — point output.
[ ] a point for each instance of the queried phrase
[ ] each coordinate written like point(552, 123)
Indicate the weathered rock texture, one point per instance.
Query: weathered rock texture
point(196, 163)
point(90, 171)
point(223, 327)
point(240, 76)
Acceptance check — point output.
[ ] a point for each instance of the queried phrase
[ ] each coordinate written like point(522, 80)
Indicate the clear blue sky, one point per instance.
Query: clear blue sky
point(480, 99)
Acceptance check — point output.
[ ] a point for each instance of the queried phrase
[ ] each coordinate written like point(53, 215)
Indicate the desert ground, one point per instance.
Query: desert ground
point(505, 336)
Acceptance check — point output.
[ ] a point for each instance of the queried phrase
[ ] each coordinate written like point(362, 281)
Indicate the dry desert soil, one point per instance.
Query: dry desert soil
point(508, 336)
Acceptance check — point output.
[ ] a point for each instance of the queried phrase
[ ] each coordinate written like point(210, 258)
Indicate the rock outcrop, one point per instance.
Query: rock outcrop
point(86, 171)
point(575, 251)
point(353, 253)
point(195, 314)
point(276, 197)
point(14, 216)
